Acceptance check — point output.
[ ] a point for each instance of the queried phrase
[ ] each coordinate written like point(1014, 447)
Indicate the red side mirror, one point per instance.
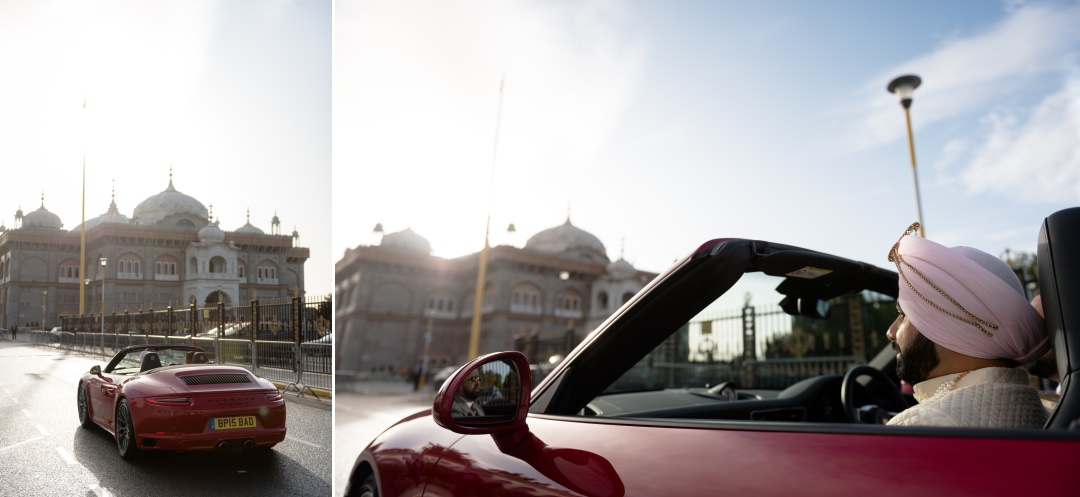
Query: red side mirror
point(488, 395)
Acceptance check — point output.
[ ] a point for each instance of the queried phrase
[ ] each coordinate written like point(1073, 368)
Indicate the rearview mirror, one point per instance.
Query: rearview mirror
point(806, 306)
point(488, 395)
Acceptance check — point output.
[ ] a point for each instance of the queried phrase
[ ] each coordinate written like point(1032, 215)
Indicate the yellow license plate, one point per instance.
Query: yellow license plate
point(232, 423)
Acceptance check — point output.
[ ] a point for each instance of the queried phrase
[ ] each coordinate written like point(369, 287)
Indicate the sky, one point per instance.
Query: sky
point(232, 97)
point(659, 125)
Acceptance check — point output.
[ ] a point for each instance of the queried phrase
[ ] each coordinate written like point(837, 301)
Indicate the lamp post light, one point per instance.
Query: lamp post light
point(903, 87)
point(103, 262)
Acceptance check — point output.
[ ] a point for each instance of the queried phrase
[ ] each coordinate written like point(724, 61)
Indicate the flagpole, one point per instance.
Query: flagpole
point(474, 335)
point(82, 230)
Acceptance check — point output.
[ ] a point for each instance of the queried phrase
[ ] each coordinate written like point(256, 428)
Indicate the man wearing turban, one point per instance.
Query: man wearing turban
point(964, 327)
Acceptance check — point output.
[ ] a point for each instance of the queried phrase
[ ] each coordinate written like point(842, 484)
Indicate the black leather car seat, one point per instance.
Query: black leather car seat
point(199, 358)
point(1059, 282)
point(150, 361)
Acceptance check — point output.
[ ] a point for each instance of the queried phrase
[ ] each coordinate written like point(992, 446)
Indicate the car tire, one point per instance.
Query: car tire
point(367, 488)
point(125, 432)
point(84, 407)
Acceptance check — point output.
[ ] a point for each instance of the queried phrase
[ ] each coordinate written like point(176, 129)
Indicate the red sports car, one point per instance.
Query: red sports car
point(169, 397)
point(675, 395)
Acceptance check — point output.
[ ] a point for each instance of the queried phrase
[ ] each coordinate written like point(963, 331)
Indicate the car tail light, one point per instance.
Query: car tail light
point(169, 401)
point(275, 395)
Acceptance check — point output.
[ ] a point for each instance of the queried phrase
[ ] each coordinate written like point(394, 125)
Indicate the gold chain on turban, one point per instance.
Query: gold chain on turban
point(894, 256)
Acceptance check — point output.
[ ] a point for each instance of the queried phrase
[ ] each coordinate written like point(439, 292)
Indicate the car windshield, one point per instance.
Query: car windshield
point(746, 337)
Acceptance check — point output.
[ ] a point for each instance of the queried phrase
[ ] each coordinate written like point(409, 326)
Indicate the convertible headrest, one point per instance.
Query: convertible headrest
point(150, 360)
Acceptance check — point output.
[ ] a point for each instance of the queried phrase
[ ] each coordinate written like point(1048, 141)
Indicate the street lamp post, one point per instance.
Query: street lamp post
point(427, 348)
point(103, 262)
point(904, 87)
point(44, 302)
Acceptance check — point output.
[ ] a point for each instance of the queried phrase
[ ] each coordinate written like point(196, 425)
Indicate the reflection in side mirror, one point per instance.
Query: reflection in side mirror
point(489, 390)
point(486, 396)
point(96, 370)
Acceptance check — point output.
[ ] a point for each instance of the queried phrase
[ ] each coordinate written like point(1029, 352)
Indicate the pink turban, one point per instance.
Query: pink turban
point(967, 301)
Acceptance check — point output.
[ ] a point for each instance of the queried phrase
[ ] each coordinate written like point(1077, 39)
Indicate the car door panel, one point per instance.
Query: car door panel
point(634, 458)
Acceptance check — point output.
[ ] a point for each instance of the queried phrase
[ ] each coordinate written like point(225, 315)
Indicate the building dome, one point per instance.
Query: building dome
point(168, 203)
point(406, 241)
point(42, 218)
point(112, 216)
point(621, 269)
point(570, 240)
point(211, 233)
point(249, 228)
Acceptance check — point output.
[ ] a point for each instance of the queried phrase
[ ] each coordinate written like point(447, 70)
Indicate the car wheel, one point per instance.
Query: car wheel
point(366, 489)
point(84, 408)
point(125, 431)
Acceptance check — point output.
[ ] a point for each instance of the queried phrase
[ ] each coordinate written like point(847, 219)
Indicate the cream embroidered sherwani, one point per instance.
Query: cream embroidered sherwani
point(983, 398)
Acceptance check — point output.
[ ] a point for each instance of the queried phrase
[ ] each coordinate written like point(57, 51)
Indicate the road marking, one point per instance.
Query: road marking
point(20, 443)
point(26, 412)
point(294, 439)
point(42, 430)
point(67, 457)
point(99, 491)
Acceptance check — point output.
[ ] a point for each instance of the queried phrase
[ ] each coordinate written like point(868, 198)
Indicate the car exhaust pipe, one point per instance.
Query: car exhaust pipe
point(249, 444)
point(222, 445)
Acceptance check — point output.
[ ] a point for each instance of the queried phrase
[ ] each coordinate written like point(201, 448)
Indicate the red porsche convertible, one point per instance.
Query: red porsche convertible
point(169, 397)
point(650, 405)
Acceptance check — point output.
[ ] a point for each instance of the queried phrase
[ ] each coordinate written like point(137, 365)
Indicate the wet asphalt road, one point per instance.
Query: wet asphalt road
point(44, 452)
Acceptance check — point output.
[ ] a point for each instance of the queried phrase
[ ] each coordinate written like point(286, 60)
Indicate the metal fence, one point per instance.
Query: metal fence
point(285, 340)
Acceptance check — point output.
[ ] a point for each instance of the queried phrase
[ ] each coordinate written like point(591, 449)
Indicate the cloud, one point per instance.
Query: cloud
point(965, 76)
point(1034, 160)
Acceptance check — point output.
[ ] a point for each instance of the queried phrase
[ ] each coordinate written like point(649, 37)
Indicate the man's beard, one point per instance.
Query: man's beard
point(914, 364)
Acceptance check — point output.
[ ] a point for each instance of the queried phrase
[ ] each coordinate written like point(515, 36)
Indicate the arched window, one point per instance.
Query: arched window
point(525, 299)
point(440, 305)
point(165, 269)
point(69, 271)
point(218, 265)
point(266, 273)
point(568, 304)
point(241, 269)
point(129, 267)
point(602, 301)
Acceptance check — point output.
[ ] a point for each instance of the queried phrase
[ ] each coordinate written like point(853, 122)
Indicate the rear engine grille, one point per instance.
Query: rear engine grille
point(215, 379)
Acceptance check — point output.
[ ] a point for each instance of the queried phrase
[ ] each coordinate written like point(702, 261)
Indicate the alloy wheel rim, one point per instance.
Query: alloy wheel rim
point(122, 432)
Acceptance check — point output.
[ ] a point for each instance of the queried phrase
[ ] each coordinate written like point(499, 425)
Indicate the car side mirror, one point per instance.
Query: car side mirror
point(488, 395)
point(95, 370)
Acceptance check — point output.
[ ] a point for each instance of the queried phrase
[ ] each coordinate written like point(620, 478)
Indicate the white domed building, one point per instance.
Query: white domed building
point(542, 298)
point(168, 253)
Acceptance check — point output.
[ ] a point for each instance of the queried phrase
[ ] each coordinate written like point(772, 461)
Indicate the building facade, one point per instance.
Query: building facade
point(169, 253)
point(395, 299)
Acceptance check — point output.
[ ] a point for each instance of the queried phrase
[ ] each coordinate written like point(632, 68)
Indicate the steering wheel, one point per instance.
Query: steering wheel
point(726, 390)
point(887, 392)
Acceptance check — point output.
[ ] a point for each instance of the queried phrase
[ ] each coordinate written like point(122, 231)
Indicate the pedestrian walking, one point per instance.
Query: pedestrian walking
point(14, 329)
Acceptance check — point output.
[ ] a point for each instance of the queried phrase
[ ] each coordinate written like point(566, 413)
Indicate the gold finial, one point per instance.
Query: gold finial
point(249, 215)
